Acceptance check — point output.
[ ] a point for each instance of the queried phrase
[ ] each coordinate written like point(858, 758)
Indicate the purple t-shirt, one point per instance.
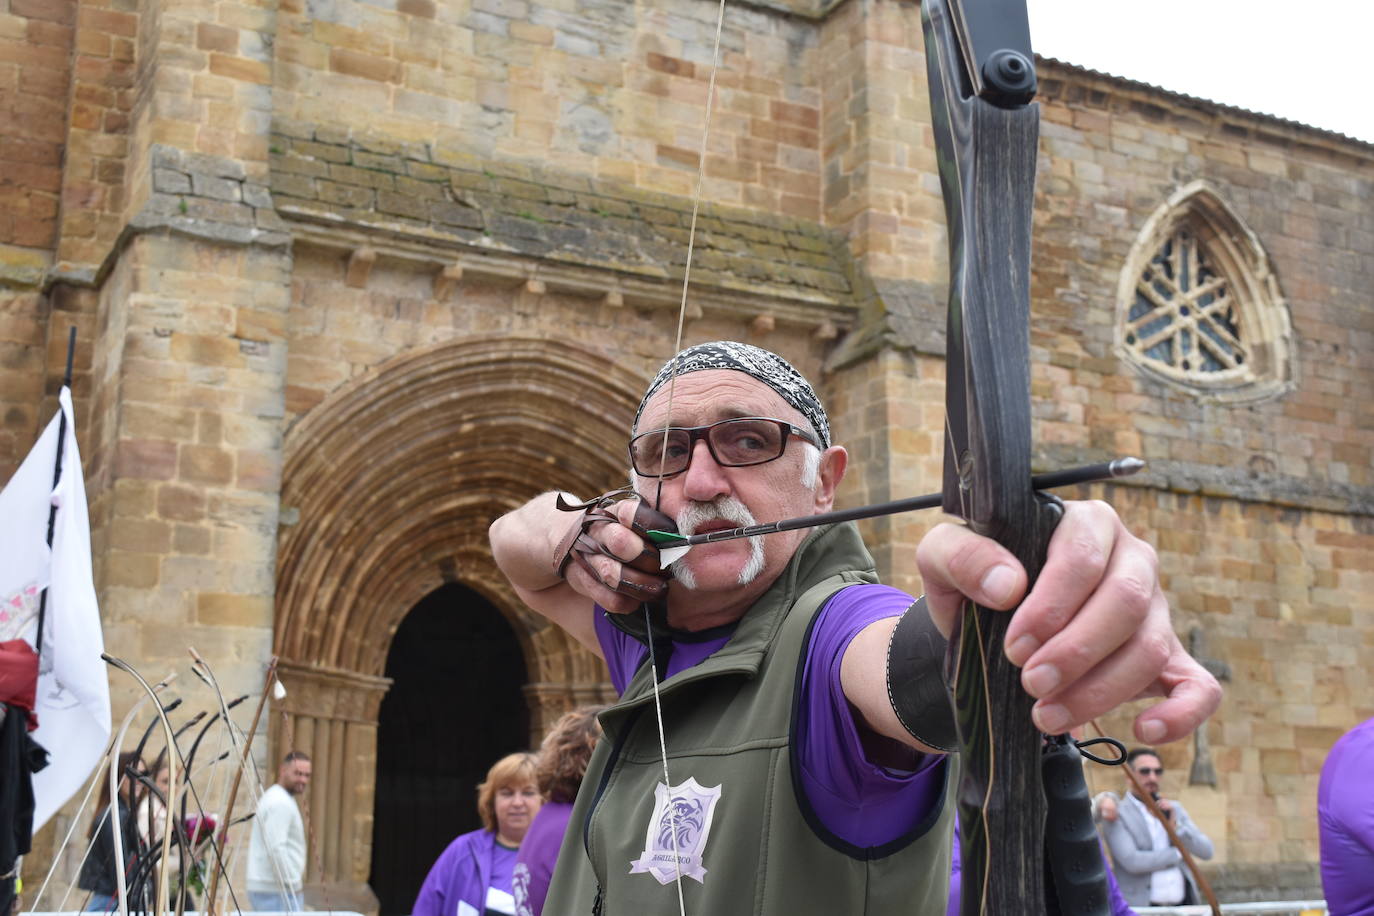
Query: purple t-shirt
point(538, 857)
point(861, 802)
point(463, 873)
point(1345, 819)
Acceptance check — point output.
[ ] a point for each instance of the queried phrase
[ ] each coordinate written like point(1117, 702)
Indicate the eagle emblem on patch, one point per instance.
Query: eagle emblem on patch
point(677, 832)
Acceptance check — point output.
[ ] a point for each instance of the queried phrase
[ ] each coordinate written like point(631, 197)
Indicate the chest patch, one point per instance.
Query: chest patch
point(677, 832)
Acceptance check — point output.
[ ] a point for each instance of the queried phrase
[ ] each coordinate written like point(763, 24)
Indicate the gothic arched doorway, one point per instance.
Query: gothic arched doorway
point(388, 488)
point(454, 707)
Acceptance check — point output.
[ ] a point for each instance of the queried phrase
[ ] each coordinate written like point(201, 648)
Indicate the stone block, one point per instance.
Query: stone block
point(203, 464)
point(216, 188)
point(228, 610)
point(148, 536)
point(149, 459)
point(239, 68)
point(327, 152)
point(256, 195)
point(299, 186)
point(132, 570)
point(402, 205)
point(347, 195)
point(366, 66)
point(178, 502)
point(452, 214)
point(191, 540)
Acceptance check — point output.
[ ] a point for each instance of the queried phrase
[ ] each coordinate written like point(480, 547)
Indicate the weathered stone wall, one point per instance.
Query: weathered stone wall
point(1261, 510)
point(606, 89)
point(278, 221)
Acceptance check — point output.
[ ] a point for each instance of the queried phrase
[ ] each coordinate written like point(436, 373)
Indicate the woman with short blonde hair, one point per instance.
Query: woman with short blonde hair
point(473, 875)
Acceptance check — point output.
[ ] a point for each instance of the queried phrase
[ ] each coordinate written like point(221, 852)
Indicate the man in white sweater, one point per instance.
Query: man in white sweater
point(276, 853)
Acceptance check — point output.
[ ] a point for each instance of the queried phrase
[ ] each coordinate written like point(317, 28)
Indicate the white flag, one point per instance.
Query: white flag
point(73, 704)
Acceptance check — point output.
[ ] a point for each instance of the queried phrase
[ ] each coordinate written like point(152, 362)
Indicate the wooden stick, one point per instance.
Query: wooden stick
point(210, 902)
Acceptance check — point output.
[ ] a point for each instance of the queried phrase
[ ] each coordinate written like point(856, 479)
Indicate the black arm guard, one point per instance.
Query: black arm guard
point(916, 682)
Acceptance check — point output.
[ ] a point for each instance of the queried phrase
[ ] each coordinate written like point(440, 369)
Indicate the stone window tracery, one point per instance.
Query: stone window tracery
point(1199, 306)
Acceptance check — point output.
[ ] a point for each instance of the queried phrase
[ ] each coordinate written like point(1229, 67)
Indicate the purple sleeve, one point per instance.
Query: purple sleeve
point(859, 801)
point(437, 895)
point(431, 899)
point(1119, 905)
point(956, 876)
point(538, 857)
point(456, 876)
point(622, 651)
point(1345, 820)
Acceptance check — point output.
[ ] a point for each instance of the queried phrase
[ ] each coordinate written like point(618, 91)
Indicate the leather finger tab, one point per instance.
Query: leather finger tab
point(647, 519)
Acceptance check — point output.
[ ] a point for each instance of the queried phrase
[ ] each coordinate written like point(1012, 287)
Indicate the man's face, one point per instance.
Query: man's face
point(704, 493)
point(1148, 771)
point(294, 777)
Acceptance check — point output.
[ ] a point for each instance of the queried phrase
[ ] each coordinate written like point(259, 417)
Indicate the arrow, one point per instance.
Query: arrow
point(673, 546)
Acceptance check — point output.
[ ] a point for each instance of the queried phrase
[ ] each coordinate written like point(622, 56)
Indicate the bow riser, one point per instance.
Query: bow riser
point(986, 155)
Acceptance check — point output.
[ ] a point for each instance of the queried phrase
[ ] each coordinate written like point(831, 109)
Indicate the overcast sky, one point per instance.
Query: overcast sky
point(1306, 60)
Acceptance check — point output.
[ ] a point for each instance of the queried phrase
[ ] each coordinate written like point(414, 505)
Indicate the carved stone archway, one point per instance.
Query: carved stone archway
point(389, 486)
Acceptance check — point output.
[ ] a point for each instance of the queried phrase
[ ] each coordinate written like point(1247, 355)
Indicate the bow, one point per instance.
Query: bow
point(982, 80)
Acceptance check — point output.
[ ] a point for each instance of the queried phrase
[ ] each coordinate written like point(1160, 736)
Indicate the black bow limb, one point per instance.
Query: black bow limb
point(982, 81)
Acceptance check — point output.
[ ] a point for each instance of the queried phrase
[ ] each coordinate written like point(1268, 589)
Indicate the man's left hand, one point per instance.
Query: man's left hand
point(1094, 633)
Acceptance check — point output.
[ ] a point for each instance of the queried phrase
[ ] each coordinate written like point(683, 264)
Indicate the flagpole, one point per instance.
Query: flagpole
point(56, 479)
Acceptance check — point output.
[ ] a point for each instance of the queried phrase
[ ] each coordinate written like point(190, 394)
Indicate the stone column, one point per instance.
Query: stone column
point(331, 715)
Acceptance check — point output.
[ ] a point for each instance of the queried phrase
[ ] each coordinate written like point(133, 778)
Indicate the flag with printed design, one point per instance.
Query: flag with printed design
point(73, 699)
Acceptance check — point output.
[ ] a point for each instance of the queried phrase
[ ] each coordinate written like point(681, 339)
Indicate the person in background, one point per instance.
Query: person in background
point(150, 820)
point(1147, 865)
point(99, 871)
point(472, 877)
point(1345, 819)
point(276, 850)
point(562, 763)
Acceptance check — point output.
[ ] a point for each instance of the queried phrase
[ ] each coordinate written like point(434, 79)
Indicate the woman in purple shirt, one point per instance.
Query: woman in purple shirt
point(472, 877)
point(562, 764)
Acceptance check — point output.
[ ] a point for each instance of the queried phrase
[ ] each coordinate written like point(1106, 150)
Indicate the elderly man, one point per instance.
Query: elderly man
point(791, 784)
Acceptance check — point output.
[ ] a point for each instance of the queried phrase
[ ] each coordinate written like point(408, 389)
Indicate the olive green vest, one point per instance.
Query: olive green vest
point(749, 842)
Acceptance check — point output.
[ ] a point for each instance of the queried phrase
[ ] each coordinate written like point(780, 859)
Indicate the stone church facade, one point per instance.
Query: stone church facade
point(353, 277)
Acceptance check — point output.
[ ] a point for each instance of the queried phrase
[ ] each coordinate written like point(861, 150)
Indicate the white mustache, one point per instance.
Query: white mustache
point(722, 509)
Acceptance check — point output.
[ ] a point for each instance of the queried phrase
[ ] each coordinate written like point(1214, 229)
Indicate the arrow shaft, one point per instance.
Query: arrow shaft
point(1107, 470)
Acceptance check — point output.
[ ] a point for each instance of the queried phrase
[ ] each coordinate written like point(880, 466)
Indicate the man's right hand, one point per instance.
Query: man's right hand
point(608, 557)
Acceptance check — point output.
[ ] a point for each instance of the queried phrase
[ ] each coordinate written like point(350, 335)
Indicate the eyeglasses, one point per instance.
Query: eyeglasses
point(1146, 771)
point(734, 443)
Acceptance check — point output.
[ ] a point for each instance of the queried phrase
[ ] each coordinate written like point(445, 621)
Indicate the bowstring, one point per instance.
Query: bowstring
point(966, 510)
point(663, 448)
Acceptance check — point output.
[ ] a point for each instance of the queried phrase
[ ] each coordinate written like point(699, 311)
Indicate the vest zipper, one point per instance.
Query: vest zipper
point(605, 779)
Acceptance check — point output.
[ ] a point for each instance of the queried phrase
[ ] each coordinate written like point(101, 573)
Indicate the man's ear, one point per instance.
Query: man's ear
point(834, 461)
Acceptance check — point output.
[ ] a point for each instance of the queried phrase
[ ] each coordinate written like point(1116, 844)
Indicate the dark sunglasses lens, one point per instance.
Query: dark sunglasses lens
point(649, 457)
point(744, 442)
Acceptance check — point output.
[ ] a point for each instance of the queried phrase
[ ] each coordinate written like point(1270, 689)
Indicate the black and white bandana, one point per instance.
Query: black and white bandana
point(768, 367)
